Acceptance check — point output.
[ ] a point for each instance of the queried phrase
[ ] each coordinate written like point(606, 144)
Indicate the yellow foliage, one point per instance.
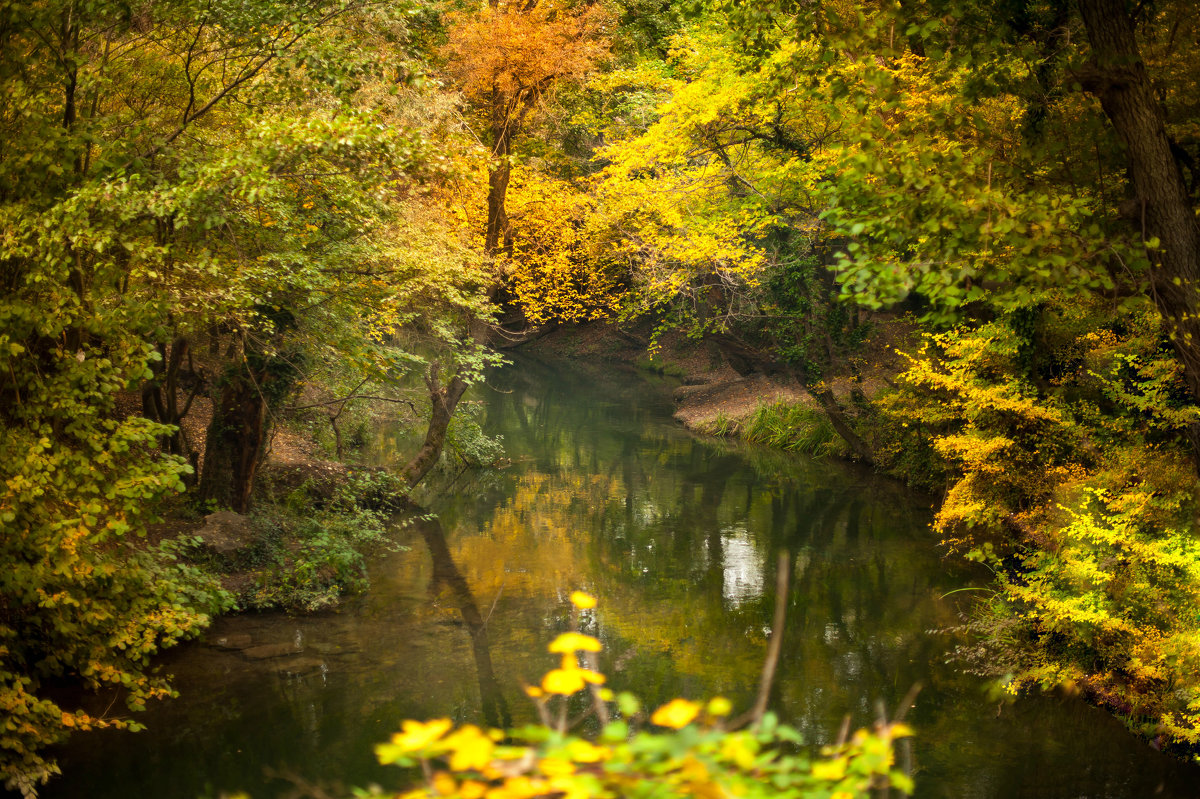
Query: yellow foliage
point(552, 270)
point(415, 735)
point(571, 642)
point(676, 714)
point(519, 50)
point(567, 681)
point(705, 760)
point(583, 601)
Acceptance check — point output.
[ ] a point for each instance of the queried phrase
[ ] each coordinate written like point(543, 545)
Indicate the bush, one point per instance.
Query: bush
point(308, 557)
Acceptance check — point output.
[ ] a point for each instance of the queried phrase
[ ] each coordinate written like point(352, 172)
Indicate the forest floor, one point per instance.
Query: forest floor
point(292, 460)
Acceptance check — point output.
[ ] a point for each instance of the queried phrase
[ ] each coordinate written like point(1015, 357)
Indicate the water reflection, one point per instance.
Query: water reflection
point(678, 536)
point(741, 565)
point(447, 577)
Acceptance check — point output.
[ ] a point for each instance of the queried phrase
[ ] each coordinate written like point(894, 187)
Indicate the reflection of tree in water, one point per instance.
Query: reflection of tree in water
point(447, 578)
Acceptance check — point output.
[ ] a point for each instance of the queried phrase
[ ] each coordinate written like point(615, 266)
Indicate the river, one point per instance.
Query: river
point(678, 536)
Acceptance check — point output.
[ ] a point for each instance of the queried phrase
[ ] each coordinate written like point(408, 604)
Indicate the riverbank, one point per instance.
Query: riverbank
point(303, 546)
point(768, 407)
point(710, 390)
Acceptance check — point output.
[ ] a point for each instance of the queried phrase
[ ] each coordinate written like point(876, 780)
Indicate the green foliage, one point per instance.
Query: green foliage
point(1060, 433)
point(795, 428)
point(250, 177)
point(309, 558)
point(467, 445)
point(79, 599)
point(1121, 590)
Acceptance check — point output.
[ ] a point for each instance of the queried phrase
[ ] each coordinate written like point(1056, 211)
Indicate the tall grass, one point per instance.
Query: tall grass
point(720, 425)
point(795, 428)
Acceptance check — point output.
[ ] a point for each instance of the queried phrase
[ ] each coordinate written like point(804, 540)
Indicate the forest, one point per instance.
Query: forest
point(220, 219)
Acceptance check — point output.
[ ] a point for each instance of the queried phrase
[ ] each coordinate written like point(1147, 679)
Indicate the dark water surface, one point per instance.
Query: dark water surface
point(678, 537)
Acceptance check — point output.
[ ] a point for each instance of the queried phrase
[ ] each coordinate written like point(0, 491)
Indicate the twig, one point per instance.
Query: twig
point(409, 403)
point(492, 609)
point(775, 645)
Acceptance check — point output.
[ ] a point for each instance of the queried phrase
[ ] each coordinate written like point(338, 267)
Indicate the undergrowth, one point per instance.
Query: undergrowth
point(309, 551)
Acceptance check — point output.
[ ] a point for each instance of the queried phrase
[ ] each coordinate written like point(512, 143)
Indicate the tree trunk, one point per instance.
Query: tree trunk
point(337, 435)
point(497, 224)
point(833, 410)
point(1117, 76)
point(234, 444)
point(442, 400)
point(497, 235)
point(160, 397)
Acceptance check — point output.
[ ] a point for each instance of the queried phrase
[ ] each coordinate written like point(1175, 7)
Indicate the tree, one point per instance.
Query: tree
point(504, 59)
point(973, 172)
point(192, 198)
point(716, 208)
point(1117, 74)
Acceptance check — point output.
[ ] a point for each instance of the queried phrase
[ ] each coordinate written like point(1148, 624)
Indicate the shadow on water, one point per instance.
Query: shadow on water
point(678, 536)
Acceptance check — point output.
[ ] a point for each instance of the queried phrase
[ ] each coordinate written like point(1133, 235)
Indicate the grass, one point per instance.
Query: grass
point(794, 428)
point(720, 425)
point(662, 367)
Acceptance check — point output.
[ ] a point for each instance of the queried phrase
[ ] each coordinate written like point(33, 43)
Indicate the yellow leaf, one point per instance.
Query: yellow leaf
point(573, 642)
point(556, 767)
point(583, 601)
point(472, 789)
point(444, 784)
point(831, 770)
point(415, 735)
point(586, 752)
point(593, 677)
point(719, 706)
point(676, 713)
point(563, 681)
point(470, 749)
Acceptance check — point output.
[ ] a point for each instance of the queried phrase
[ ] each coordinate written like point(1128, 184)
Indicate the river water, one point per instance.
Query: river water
point(678, 536)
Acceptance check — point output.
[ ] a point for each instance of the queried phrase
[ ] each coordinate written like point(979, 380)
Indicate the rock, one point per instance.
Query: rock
point(267, 651)
point(226, 532)
point(335, 649)
point(232, 641)
point(300, 667)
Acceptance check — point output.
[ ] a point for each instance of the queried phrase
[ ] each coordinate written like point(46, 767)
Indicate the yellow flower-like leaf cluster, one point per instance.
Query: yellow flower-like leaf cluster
point(567, 681)
point(416, 735)
point(470, 748)
point(583, 601)
point(676, 714)
point(568, 643)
